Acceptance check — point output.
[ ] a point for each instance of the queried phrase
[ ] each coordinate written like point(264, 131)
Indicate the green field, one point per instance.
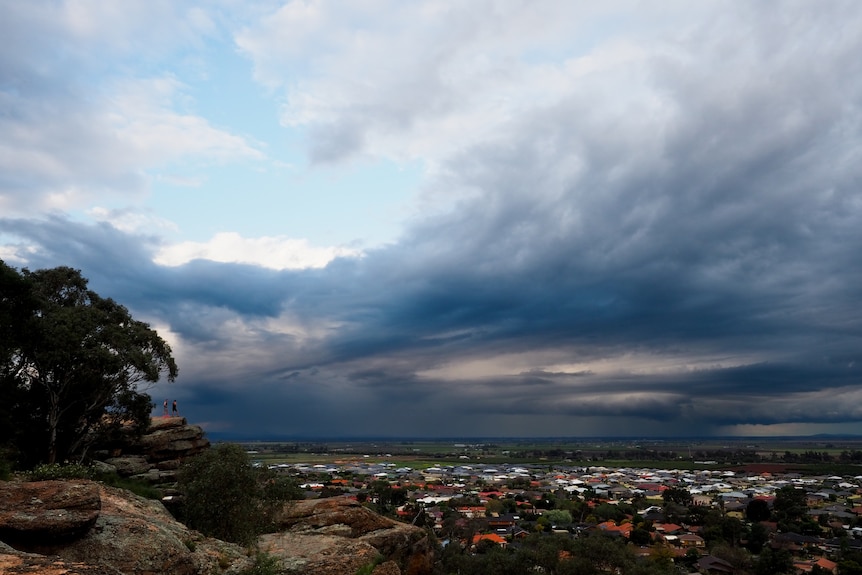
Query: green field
point(832, 455)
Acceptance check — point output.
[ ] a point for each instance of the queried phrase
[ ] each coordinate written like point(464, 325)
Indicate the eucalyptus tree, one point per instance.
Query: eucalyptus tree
point(76, 366)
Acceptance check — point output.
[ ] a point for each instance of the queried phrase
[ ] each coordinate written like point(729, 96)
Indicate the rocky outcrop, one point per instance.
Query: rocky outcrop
point(130, 536)
point(157, 454)
point(80, 527)
point(338, 535)
point(47, 510)
point(14, 562)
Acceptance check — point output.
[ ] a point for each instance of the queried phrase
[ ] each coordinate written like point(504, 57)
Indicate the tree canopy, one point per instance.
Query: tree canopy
point(73, 365)
point(227, 498)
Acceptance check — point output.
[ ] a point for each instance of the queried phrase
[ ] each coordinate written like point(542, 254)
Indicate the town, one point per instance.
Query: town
point(707, 520)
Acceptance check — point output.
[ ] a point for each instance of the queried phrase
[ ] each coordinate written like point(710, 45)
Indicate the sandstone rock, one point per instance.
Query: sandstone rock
point(169, 439)
point(157, 423)
point(47, 510)
point(130, 464)
point(338, 535)
point(104, 468)
point(168, 465)
point(318, 554)
point(137, 536)
point(314, 514)
point(156, 454)
point(154, 476)
point(14, 562)
point(387, 568)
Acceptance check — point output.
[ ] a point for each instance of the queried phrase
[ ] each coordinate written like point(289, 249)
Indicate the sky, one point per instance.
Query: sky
point(456, 219)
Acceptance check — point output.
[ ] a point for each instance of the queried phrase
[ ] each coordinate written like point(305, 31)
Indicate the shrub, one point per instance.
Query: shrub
point(264, 564)
point(369, 568)
point(5, 467)
point(222, 495)
point(48, 471)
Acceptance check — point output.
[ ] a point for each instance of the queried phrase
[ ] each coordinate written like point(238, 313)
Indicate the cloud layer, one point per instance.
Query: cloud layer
point(627, 225)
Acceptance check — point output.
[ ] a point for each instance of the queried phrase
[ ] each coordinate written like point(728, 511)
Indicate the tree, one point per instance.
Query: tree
point(757, 510)
point(640, 536)
point(758, 536)
point(74, 365)
point(14, 308)
point(558, 517)
point(225, 497)
point(789, 504)
point(677, 495)
point(771, 562)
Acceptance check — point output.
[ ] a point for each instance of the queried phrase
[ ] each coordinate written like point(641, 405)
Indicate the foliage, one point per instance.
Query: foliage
point(738, 558)
point(225, 497)
point(770, 562)
point(789, 504)
point(758, 536)
point(591, 554)
point(606, 512)
point(640, 536)
point(264, 564)
point(369, 568)
point(136, 486)
point(5, 470)
point(386, 497)
point(72, 365)
point(558, 516)
point(757, 510)
point(47, 471)
point(677, 495)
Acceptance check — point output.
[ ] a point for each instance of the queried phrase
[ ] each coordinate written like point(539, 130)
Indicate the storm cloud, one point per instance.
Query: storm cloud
point(626, 225)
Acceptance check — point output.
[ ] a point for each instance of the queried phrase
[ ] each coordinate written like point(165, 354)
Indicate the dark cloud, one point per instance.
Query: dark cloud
point(678, 258)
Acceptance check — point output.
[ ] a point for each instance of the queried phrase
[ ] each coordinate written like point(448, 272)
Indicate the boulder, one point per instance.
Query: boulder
point(47, 510)
point(14, 562)
point(157, 453)
point(338, 535)
point(317, 514)
point(165, 422)
point(387, 568)
point(130, 464)
point(318, 554)
point(130, 536)
point(171, 438)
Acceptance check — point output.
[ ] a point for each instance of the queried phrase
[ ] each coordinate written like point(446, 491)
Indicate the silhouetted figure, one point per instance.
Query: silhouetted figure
point(175, 412)
point(166, 408)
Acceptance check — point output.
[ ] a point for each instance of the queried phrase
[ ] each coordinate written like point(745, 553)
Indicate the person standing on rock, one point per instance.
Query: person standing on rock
point(175, 412)
point(166, 408)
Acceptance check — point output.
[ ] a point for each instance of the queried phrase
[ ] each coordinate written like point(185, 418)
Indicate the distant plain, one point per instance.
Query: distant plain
point(827, 454)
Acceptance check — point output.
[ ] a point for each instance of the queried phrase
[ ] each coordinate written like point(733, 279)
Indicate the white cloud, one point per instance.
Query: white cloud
point(131, 221)
point(11, 254)
point(143, 116)
point(270, 252)
point(89, 108)
point(423, 80)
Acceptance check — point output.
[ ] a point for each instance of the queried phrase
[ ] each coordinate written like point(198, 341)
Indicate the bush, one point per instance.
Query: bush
point(5, 467)
point(222, 495)
point(225, 497)
point(48, 471)
point(136, 486)
point(264, 564)
point(369, 568)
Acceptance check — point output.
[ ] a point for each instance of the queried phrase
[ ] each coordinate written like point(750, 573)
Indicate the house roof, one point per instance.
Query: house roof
point(493, 537)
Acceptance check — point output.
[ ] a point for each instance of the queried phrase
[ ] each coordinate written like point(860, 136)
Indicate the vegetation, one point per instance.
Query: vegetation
point(71, 365)
point(227, 498)
point(48, 471)
point(264, 564)
point(556, 555)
